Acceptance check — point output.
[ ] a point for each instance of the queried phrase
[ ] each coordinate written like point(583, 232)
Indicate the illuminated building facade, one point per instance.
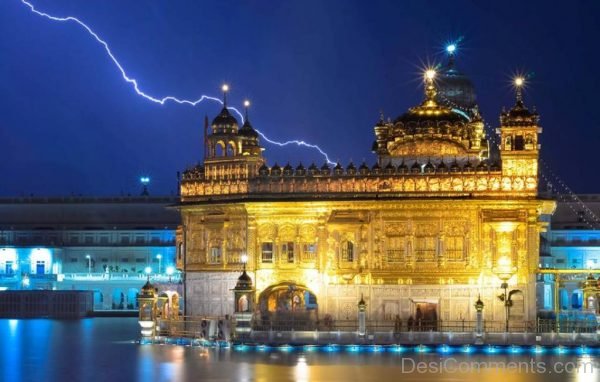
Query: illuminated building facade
point(423, 232)
point(87, 243)
point(572, 244)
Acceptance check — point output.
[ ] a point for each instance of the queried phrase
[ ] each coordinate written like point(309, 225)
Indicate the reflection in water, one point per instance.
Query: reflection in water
point(102, 349)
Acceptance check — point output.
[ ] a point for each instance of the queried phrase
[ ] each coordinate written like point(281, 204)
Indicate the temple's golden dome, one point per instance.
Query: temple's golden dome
point(431, 129)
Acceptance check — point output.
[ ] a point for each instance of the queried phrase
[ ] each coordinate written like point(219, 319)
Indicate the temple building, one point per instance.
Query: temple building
point(423, 232)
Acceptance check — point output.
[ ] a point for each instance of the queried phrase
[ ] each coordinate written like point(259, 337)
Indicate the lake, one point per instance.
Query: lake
point(105, 349)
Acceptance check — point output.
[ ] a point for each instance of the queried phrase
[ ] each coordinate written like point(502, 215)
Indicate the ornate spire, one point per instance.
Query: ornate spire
point(451, 51)
point(430, 90)
point(246, 106)
point(519, 82)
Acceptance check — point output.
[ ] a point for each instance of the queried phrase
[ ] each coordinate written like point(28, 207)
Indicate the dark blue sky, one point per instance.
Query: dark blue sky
point(316, 70)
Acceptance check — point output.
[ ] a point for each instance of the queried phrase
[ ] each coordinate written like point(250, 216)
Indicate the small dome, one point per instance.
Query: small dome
point(454, 88)
point(429, 167)
point(325, 170)
point(338, 169)
point(390, 169)
point(288, 170)
point(403, 168)
point(225, 119)
point(276, 170)
point(468, 167)
point(455, 167)
point(415, 168)
point(442, 167)
point(247, 130)
point(244, 282)
point(263, 170)
point(300, 170)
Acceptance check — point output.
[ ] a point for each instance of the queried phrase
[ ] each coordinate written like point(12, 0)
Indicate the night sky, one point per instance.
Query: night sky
point(314, 70)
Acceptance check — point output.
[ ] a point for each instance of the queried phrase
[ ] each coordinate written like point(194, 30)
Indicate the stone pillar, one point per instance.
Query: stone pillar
point(362, 317)
point(479, 328)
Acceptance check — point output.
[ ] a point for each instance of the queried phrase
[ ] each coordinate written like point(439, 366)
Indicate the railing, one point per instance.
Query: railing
point(456, 326)
point(102, 276)
point(221, 328)
point(209, 328)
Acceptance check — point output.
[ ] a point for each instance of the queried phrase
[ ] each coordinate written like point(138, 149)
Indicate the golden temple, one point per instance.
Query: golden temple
point(435, 223)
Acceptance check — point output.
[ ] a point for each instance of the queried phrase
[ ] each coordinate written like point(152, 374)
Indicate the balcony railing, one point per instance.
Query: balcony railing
point(121, 276)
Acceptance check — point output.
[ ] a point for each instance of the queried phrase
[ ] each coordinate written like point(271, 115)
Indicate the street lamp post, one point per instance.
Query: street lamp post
point(505, 270)
point(159, 257)
point(89, 259)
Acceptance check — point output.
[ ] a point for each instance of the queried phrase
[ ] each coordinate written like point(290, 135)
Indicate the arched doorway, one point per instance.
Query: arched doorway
point(98, 300)
point(287, 306)
point(118, 299)
point(132, 295)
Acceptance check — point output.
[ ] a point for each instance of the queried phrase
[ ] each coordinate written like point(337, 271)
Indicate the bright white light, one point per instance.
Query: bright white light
point(590, 264)
point(451, 48)
point(519, 81)
point(246, 103)
point(430, 74)
point(159, 256)
point(170, 271)
point(145, 180)
point(225, 87)
point(244, 258)
point(148, 270)
point(88, 257)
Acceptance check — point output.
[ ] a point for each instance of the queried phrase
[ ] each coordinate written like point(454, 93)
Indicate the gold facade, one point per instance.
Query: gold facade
point(431, 230)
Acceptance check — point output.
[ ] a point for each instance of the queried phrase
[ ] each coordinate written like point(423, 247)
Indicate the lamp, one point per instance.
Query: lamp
point(505, 271)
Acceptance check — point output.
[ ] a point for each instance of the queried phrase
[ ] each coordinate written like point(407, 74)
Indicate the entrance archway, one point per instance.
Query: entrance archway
point(287, 306)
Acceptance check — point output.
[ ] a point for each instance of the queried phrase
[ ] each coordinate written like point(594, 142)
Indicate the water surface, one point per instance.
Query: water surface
point(105, 349)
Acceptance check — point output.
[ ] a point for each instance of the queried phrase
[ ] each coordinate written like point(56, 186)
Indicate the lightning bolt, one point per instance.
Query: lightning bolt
point(133, 82)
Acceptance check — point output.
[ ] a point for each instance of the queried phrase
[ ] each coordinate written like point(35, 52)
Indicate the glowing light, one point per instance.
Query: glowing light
point(451, 48)
point(246, 103)
point(421, 349)
point(444, 349)
point(147, 270)
point(225, 88)
point(170, 271)
point(491, 350)
point(134, 83)
point(468, 349)
point(398, 349)
point(514, 349)
point(430, 74)
point(145, 180)
point(519, 81)
point(244, 258)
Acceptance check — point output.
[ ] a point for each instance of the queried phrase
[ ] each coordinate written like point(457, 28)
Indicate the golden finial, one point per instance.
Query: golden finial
point(430, 91)
point(225, 89)
point(246, 106)
point(519, 83)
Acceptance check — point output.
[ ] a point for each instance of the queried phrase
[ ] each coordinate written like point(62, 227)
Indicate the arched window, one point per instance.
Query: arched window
point(215, 255)
point(347, 251)
point(219, 149)
point(231, 149)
